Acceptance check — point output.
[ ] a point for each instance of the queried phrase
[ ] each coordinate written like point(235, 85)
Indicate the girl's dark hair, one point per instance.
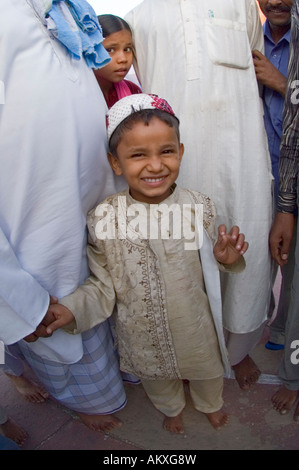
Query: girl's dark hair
point(145, 116)
point(112, 24)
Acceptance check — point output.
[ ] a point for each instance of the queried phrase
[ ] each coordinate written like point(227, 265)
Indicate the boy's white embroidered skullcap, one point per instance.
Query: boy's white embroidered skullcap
point(131, 104)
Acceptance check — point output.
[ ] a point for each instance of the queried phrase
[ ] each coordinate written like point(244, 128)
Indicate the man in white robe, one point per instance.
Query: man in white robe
point(197, 55)
point(54, 169)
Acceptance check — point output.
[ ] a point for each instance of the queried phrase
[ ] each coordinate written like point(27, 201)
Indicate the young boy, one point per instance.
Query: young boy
point(167, 293)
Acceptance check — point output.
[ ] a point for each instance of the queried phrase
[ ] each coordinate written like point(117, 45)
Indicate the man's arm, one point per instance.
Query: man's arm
point(282, 230)
point(23, 301)
point(281, 236)
point(267, 74)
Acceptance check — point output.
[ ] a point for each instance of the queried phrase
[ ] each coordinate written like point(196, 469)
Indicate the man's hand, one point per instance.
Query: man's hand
point(41, 328)
point(268, 74)
point(280, 237)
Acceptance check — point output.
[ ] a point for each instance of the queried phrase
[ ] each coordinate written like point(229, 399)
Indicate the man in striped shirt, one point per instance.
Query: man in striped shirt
point(281, 234)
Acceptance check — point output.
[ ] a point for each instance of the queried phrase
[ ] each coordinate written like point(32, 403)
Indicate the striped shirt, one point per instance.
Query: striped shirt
point(289, 150)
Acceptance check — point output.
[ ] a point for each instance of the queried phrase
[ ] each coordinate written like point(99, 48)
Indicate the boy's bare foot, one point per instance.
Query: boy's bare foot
point(283, 400)
point(28, 389)
point(13, 431)
point(246, 372)
point(174, 424)
point(100, 422)
point(218, 419)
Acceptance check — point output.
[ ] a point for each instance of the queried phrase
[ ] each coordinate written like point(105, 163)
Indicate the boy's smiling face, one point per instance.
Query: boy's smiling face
point(149, 158)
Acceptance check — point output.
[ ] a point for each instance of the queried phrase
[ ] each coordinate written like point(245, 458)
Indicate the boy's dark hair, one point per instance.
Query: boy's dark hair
point(144, 116)
point(112, 24)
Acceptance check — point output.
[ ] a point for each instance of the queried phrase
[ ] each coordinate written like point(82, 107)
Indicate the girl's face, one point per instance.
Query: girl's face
point(120, 48)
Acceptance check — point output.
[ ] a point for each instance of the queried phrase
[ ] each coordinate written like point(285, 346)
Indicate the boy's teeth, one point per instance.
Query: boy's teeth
point(153, 180)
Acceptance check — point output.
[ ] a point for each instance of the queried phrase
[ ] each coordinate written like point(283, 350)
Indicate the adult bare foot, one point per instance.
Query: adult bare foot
point(218, 419)
point(283, 400)
point(30, 390)
point(174, 424)
point(246, 372)
point(13, 431)
point(103, 423)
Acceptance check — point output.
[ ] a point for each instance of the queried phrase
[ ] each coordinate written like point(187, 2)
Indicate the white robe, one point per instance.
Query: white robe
point(197, 55)
point(54, 169)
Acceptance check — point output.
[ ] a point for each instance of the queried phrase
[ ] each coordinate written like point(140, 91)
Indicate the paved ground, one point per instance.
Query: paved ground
point(254, 425)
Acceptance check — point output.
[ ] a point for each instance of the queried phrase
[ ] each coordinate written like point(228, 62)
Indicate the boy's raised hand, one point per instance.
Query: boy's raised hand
point(229, 246)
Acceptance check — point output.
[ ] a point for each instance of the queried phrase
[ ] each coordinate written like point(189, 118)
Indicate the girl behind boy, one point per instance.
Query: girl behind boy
point(118, 43)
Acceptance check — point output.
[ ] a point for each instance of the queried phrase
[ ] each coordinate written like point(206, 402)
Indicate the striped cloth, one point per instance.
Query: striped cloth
point(289, 151)
point(93, 385)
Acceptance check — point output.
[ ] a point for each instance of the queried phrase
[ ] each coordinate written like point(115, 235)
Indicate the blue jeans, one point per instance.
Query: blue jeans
point(8, 444)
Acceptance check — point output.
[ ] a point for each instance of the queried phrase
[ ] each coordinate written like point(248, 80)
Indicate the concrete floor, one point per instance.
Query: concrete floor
point(254, 424)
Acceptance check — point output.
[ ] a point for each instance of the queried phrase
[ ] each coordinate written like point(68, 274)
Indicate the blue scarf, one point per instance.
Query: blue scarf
point(78, 29)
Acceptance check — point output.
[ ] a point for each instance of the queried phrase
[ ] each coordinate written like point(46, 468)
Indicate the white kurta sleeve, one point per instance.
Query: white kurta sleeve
point(20, 314)
point(254, 26)
point(130, 19)
point(54, 169)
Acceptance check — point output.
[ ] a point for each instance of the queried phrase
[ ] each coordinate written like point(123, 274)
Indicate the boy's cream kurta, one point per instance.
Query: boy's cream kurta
point(164, 324)
point(197, 55)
